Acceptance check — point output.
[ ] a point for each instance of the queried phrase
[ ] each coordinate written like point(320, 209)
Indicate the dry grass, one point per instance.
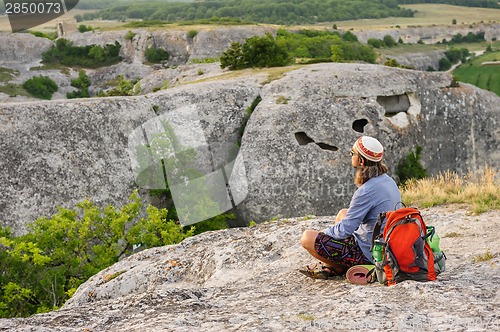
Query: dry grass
point(427, 15)
point(480, 191)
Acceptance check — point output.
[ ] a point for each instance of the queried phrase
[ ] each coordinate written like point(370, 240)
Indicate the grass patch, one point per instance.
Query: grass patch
point(427, 15)
point(484, 77)
point(453, 234)
point(483, 257)
point(400, 49)
point(477, 190)
point(6, 74)
point(14, 90)
point(276, 73)
point(306, 317)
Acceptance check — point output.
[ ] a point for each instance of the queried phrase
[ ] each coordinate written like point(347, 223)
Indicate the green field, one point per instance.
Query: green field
point(485, 77)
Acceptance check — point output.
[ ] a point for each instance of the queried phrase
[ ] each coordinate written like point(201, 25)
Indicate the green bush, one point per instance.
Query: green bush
point(125, 88)
point(50, 35)
point(156, 55)
point(82, 83)
point(444, 64)
point(410, 167)
point(129, 35)
point(83, 28)
point(389, 41)
point(258, 51)
point(377, 43)
point(43, 268)
point(343, 51)
point(90, 56)
point(192, 33)
point(41, 87)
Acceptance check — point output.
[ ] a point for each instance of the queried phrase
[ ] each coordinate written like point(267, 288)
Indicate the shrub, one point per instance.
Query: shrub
point(129, 35)
point(444, 64)
point(83, 28)
point(258, 51)
point(156, 55)
point(41, 87)
point(353, 51)
point(377, 43)
point(82, 83)
point(50, 35)
point(125, 88)
point(42, 269)
point(410, 167)
point(90, 56)
point(389, 41)
point(192, 33)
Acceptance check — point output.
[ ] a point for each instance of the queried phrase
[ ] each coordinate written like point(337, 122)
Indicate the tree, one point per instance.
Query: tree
point(454, 21)
point(264, 52)
point(232, 58)
point(343, 51)
point(389, 41)
point(82, 83)
point(349, 36)
point(83, 28)
point(377, 43)
point(444, 64)
point(43, 268)
point(258, 51)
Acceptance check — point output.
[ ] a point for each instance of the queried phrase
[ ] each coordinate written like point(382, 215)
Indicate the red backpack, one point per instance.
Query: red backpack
point(405, 253)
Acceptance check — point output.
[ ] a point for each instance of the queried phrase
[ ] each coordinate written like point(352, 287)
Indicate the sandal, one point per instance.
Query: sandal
point(319, 271)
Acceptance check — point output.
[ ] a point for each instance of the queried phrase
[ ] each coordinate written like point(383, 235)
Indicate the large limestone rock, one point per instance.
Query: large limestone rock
point(297, 142)
point(246, 279)
point(59, 153)
point(294, 156)
point(22, 47)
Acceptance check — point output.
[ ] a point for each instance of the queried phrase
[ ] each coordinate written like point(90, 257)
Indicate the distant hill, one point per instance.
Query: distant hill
point(259, 11)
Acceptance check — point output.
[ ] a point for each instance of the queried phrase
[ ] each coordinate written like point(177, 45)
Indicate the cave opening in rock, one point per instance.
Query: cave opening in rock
point(303, 139)
point(394, 104)
point(359, 125)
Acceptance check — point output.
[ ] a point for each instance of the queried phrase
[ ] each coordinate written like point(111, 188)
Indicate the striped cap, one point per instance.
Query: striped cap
point(370, 148)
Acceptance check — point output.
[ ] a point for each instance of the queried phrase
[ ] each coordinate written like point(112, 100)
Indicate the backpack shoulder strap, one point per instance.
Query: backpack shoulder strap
point(377, 228)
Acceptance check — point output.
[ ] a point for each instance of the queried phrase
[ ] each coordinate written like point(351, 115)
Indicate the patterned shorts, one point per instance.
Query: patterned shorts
point(346, 251)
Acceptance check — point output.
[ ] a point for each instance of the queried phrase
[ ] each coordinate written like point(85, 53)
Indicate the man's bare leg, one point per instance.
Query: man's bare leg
point(307, 241)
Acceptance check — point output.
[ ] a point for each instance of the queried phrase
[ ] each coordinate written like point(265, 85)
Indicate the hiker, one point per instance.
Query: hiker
point(348, 241)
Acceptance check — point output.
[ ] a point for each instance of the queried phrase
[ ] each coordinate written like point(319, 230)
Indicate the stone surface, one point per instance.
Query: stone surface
point(247, 279)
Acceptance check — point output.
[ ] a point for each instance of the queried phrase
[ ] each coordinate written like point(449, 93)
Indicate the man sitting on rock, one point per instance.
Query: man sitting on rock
point(348, 242)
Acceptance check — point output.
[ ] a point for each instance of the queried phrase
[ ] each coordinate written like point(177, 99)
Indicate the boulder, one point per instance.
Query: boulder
point(296, 144)
point(60, 152)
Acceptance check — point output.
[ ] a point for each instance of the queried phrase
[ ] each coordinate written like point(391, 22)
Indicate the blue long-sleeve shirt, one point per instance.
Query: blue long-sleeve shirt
point(377, 195)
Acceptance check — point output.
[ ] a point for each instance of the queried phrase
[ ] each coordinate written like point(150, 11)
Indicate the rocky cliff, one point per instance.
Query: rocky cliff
point(22, 52)
point(294, 154)
point(246, 279)
point(432, 34)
